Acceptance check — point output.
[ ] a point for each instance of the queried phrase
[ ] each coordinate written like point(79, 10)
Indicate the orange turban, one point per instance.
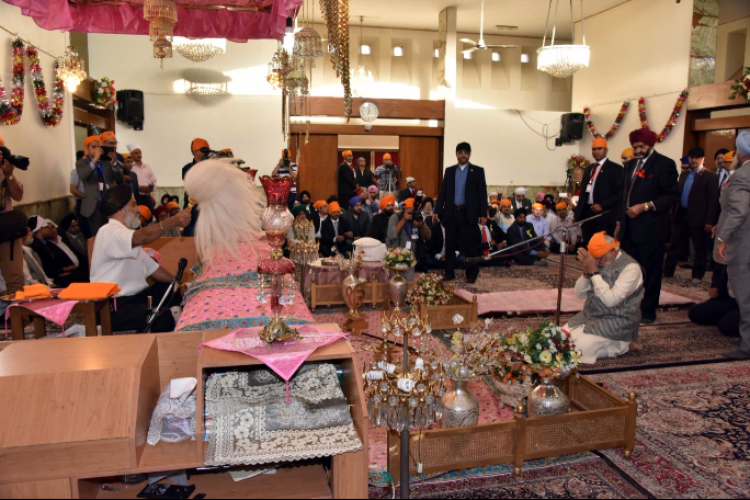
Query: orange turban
point(598, 246)
point(409, 203)
point(145, 212)
point(599, 142)
point(198, 143)
point(387, 156)
point(126, 155)
point(171, 205)
point(90, 140)
point(386, 201)
point(506, 203)
point(334, 207)
point(347, 153)
point(1, 139)
point(729, 157)
point(107, 136)
point(319, 204)
point(537, 206)
point(629, 153)
point(561, 205)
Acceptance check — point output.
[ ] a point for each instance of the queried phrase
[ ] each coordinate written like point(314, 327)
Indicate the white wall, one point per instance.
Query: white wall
point(634, 53)
point(50, 148)
point(723, 49)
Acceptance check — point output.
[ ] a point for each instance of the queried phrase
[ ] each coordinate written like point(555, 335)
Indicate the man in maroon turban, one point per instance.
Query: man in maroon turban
point(650, 191)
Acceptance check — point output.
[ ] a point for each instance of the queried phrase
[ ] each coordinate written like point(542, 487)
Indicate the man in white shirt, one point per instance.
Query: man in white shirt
point(146, 176)
point(564, 219)
point(612, 284)
point(118, 258)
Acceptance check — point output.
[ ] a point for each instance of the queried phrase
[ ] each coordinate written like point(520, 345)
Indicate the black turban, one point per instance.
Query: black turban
point(115, 199)
point(67, 221)
point(521, 211)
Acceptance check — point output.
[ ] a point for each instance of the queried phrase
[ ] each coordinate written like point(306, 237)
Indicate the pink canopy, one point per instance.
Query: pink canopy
point(268, 21)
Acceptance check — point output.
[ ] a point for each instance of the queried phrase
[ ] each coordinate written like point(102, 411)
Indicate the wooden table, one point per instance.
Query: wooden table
point(88, 309)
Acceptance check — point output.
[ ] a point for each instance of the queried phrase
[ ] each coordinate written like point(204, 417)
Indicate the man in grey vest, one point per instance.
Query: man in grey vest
point(612, 285)
point(733, 240)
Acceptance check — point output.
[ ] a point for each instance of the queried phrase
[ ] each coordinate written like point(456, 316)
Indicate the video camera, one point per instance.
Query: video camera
point(417, 213)
point(19, 162)
point(208, 153)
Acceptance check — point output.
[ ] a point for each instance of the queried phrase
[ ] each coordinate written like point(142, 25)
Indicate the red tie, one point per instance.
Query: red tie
point(485, 240)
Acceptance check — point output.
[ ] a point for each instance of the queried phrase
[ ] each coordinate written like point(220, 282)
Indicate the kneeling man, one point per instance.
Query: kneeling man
point(612, 285)
point(118, 258)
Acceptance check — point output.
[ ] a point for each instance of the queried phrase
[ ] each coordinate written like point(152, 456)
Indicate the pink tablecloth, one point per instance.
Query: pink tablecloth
point(55, 310)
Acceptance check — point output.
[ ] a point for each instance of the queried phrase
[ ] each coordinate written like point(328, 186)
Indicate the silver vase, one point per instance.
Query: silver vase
point(460, 407)
point(398, 289)
point(547, 400)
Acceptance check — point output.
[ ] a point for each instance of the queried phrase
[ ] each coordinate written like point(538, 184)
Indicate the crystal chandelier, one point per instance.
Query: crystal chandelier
point(563, 61)
point(200, 50)
point(307, 44)
point(361, 78)
point(162, 16)
point(70, 69)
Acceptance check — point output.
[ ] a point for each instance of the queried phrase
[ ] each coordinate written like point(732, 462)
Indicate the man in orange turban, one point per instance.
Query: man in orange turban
point(347, 179)
point(388, 175)
point(612, 285)
point(97, 174)
point(336, 237)
point(379, 225)
point(505, 218)
point(627, 155)
point(319, 215)
point(601, 192)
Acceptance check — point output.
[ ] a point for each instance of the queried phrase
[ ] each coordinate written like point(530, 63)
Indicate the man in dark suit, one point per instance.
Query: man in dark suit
point(462, 200)
point(357, 219)
point(411, 190)
point(363, 174)
point(56, 263)
point(695, 216)
point(650, 191)
point(601, 191)
point(520, 200)
point(347, 179)
point(531, 254)
point(97, 174)
point(335, 234)
point(491, 240)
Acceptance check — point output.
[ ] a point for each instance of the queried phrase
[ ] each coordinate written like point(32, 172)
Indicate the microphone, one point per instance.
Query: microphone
point(180, 271)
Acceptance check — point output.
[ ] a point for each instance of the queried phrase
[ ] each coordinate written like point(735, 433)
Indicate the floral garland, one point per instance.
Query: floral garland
point(741, 87)
point(11, 110)
point(51, 115)
point(577, 161)
point(431, 291)
point(672, 118)
point(615, 127)
point(104, 92)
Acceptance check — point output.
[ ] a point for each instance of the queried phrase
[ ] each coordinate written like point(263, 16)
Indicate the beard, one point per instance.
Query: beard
point(388, 211)
point(642, 156)
point(132, 221)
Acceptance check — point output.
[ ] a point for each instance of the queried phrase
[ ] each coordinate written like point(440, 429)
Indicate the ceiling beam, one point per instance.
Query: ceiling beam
point(376, 130)
point(389, 108)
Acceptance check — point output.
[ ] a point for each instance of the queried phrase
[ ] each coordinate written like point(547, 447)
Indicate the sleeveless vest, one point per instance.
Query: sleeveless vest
point(621, 322)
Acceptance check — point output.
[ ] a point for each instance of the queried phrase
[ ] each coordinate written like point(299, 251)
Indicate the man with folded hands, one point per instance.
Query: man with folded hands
point(118, 258)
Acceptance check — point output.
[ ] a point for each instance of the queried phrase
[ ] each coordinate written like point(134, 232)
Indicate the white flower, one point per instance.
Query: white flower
point(552, 349)
point(458, 319)
point(545, 357)
point(528, 359)
point(539, 347)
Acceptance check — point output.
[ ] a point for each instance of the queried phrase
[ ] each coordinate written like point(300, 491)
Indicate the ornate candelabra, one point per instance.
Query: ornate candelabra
point(302, 249)
point(276, 221)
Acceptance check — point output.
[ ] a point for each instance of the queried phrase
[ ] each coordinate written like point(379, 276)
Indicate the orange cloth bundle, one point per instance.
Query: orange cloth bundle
point(89, 291)
point(34, 292)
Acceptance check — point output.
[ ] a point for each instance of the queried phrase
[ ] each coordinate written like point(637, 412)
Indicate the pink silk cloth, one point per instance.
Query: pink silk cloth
point(284, 358)
point(127, 19)
point(54, 310)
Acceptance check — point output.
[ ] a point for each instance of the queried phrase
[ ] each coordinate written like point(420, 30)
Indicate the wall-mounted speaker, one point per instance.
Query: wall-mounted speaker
point(571, 128)
point(130, 106)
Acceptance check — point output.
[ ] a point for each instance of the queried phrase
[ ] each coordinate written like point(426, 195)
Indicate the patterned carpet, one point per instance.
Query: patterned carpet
point(693, 430)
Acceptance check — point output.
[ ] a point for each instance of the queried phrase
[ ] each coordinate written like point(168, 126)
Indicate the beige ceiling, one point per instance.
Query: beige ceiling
point(529, 15)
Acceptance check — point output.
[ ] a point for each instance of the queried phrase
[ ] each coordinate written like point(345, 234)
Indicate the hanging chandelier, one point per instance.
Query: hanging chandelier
point(200, 50)
point(361, 78)
point(307, 44)
point(563, 61)
point(70, 69)
point(336, 16)
point(162, 16)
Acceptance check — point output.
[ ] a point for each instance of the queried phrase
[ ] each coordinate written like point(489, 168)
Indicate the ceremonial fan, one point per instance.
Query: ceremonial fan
point(481, 45)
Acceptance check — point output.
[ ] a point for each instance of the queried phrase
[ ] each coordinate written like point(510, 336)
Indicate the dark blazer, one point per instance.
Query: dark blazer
point(315, 217)
point(379, 227)
point(364, 179)
point(405, 195)
point(364, 222)
point(498, 235)
point(476, 194)
point(607, 191)
point(526, 204)
point(658, 185)
point(515, 237)
point(54, 260)
point(328, 236)
point(436, 243)
point(703, 201)
point(91, 183)
point(347, 183)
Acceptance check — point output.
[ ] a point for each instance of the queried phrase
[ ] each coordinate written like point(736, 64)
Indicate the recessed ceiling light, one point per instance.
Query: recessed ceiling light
point(398, 52)
point(496, 57)
point(365, 50)
point(525, 59)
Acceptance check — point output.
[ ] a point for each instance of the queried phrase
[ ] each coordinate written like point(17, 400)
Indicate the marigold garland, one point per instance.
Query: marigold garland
point(11, 110)
point(51, 114)
point(672, 118)
point(615, 127)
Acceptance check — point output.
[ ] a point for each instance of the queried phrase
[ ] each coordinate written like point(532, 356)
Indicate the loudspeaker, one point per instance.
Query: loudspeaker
point(572, 127)
point(130, 108)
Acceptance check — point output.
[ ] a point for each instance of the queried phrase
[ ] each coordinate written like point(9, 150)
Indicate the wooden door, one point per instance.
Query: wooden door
point(714, 140)
point(420, 158)
point(318, 166)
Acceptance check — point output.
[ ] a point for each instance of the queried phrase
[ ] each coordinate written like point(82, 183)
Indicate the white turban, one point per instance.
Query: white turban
point(522, 191)
point(743, 143)
point(133, 147)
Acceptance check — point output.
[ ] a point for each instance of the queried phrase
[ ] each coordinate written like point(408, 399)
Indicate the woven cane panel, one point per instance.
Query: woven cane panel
point(449, 452)
point(574, 433)
point(589, 397)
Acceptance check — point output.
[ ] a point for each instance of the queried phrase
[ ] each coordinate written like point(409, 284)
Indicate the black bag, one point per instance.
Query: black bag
point(13, 225)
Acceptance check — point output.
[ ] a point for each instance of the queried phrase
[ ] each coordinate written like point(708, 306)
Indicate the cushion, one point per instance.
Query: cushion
point(373, 250)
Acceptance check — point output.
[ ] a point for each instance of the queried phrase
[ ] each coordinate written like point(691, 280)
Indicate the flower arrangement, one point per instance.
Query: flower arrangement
point(104, 92)
point(474, 354)
point(431, 291)
point(615, 127)
point(12, 109)
point(51, 110)
point(399, 258)
point(577, 161)
point(741, 87)
point(546, 351)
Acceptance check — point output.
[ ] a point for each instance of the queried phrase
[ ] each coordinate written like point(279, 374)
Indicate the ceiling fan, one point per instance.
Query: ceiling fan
point(481, 45)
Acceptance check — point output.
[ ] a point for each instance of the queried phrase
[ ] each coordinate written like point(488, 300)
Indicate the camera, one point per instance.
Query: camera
point(208, 153)
point(19, 162)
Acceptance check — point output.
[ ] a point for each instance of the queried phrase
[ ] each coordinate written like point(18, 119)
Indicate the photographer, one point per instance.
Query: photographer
point(97, 175)
point(408, 230)
point(12, 222)
point(388, 175)
point(287, 168)
point(201, 151)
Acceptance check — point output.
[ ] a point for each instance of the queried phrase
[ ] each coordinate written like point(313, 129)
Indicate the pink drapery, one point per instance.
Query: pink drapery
point(236, 26)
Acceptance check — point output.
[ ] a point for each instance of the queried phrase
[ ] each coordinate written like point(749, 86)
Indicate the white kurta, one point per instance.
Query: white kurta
point(594, 347)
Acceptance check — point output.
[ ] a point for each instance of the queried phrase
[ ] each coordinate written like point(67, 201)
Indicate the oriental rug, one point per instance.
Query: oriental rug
point(693, 433)
point(591, 477)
